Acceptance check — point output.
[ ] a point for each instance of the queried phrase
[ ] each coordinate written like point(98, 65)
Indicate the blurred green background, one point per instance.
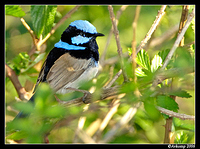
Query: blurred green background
point(18, 39)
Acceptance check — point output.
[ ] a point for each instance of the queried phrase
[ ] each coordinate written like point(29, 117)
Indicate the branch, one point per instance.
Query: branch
point(116, 33)
point(57, 25)
point(106, 93)
point(173, 83)
point(134, 25)
point(106, 119)
point(165, 36)
point(170, 73)
point(113, 59)
point(114, 79)
point(158, 80)
point(183, 20)
point(29, 30)
point(34, 37)
point(174, 114)
point(119, 12)
point(23, 95)
point(38, 42)
point(152, 29)
point(122, 122)
point(178, 39)
point(109, 92)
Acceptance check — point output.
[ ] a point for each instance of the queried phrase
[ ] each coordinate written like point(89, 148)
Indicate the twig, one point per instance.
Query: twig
point(119, 12)
point(34, 37)
point(114, 79)
point(122, 122)
point(113, 91)
point(115, 30)
point(30, 30)
point(81, 123)
point(178, 39)
point(108, 92)
point(113, 59)
point(84, 136)
point(106, 119)
point(152, 29)
point(116, 33)
point(23, 95)
point(174, 81)
point(173, 49)
point(38, 42)
point(183, 20)
point(57, 25)
point(165, 36)
point(174, 114)
point(134, 25)
point(170, 73)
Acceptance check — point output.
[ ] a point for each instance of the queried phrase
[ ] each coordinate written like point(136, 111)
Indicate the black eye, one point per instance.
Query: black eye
point(82, 34)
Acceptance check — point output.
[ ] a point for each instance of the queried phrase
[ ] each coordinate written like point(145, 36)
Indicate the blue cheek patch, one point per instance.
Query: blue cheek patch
point(80, 39)
point(67, 46)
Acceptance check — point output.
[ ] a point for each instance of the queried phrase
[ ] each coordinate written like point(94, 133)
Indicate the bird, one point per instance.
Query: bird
point(73, 61)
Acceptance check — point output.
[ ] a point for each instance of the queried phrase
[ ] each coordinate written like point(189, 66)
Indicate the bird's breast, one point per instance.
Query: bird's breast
point(86, 76)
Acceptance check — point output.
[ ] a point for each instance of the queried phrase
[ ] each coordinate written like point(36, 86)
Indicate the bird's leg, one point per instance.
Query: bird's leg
point(86, 94)
point(58, 100)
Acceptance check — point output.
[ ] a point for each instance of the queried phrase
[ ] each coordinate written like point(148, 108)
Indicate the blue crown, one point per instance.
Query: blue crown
point(84, 26)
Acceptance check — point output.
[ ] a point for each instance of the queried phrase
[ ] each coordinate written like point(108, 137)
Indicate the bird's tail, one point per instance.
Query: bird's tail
point(21, 114)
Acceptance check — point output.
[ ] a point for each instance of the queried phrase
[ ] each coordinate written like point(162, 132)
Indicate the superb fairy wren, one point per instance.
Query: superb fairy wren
point(73, 61)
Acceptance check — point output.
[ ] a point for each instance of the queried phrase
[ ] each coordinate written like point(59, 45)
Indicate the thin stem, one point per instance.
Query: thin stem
point(178, 39)
point(57, 25)
point(152, 29)
point(174, 114)
point(119, 12)
point(116, 33)
point(23, 95)
point(134, 25)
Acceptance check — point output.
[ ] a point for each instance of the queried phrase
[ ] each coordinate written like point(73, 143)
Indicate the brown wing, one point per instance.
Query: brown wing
point(66, 69)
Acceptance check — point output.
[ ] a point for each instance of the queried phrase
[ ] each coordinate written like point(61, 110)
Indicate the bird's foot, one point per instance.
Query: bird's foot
point(86, 97)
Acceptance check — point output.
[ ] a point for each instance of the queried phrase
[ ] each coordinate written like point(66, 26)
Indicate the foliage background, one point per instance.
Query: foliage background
point(142, 128)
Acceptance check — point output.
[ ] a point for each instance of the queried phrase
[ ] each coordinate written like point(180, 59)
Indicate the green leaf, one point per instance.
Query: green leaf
point(167, 103)
point(37, 59)
point(17, 135)
point(142, 59)
point(43, 18)
point(163, 54)
point(139, 72)
point(14, 10)
point(27, 107)
point(128, 87)
point(156, 63)
point(182, 125)
point(43, 94)
point(151, 110)
point(180, 93)
point(129, 51)
point(184, 58)
point(192, 48)
point(181, 138)
point(21, 62)
point(54, 111)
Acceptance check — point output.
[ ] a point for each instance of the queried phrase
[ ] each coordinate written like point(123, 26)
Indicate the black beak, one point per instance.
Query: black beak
point(99, 34)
